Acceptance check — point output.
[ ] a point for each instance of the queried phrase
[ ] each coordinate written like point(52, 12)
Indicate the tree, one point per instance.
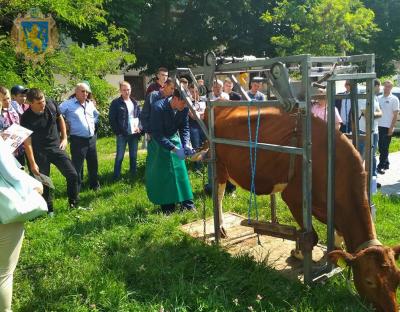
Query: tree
point(96, 51)
point(176, 33)
point(386, 43)
point(320, 27)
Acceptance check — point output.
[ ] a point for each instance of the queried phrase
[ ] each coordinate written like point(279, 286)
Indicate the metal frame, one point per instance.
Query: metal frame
point(228, 66)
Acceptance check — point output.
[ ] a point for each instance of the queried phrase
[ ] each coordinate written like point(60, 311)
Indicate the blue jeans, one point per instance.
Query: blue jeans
point(122, 140)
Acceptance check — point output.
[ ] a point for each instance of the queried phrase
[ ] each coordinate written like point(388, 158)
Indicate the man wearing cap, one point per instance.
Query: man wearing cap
point(18, 95)
point(255, 86)
point(167, 180)
point(81, 116)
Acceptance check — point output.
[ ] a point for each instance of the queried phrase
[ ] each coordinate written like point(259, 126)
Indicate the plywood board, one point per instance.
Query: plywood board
point(273, 252)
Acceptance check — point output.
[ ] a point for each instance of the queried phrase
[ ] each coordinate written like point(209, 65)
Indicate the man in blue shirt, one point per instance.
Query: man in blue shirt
point(81, 116)
point(167, 180)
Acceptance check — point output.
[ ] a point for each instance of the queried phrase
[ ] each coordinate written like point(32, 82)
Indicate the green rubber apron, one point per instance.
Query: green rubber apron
point(167, 180)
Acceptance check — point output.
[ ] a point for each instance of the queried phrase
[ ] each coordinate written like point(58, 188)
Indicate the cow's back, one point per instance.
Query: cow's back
point(272, 168)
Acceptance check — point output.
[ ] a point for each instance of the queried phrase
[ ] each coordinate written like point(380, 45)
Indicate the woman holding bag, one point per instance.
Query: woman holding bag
point(17, 191)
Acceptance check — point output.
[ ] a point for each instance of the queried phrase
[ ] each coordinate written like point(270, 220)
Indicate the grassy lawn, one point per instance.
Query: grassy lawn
point(126, 256)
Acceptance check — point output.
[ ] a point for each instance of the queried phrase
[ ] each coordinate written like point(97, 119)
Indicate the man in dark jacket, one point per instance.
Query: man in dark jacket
point(344, 109)
point(124, 120)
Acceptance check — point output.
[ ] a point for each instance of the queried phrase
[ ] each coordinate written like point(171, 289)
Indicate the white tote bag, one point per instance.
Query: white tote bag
point(19, 199)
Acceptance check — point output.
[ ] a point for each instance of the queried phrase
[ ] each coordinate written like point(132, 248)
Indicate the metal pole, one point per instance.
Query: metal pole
point(354, 114)
point(331, 91)
point(307, 166)
point(369, 118)
point(274, 218)
point(213, 167)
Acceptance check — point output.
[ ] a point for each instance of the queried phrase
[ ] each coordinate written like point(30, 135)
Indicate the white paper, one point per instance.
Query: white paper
point(14, 136)
point(45, 180)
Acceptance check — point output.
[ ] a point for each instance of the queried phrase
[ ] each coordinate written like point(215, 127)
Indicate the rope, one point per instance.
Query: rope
point(253, 198)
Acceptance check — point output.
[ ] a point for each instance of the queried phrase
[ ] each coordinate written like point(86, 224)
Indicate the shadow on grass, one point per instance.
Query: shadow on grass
point(153, 267)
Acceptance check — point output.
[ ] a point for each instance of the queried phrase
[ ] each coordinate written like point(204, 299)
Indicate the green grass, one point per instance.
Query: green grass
point(395, 144)
point(126, 256)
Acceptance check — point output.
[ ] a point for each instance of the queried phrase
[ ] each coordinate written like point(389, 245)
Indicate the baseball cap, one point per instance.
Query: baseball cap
point(17, 89)
point(88, 85)
point(257, 79)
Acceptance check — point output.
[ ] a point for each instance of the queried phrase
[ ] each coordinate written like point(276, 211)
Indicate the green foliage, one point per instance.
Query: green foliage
point(320, 27)
point(75, 62)
point(93, 63)
point(386, 43)
point(8, 64)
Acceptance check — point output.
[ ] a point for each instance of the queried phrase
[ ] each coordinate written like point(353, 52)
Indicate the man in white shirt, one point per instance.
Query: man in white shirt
point(217, 93)
point(389, 105)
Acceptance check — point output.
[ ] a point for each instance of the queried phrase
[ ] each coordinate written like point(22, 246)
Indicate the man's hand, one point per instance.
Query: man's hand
point(390, 131)
point(189, 151)
point(180, 152)
point(63, 144)
point(39, 190)
point(35, 169)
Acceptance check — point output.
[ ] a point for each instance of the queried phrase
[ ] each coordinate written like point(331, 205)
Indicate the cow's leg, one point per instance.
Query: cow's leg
point(221, 193)
point(292, 196)
point(222, 177)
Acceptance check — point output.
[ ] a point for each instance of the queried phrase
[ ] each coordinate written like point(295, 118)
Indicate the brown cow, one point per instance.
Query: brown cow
point(376, 276)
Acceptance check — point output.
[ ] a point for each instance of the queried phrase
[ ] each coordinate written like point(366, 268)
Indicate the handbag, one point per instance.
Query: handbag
point(17, 208)
point(19, 198)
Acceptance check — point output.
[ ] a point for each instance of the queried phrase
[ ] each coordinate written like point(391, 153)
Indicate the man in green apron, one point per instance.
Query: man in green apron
point(167, 180)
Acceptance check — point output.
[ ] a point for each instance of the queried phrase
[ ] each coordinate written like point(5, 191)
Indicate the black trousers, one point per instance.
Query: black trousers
point(60, 159)
point(383, 143)
point(81, 149)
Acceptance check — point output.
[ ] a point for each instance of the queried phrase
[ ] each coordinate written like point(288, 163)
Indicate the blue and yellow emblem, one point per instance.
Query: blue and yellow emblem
point(35, 35)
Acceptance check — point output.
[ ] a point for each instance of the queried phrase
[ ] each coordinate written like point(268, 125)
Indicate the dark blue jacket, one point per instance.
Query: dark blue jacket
point(118, 115)
point(164, 123)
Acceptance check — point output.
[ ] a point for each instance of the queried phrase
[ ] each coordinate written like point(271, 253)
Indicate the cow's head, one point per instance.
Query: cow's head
point(376, 276)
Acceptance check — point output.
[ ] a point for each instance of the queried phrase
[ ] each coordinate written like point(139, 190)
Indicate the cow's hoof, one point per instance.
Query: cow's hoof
point(297, 254)
point(222, 232)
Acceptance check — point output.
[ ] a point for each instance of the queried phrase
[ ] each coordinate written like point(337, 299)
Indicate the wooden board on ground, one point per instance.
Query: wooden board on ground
point(273, 252)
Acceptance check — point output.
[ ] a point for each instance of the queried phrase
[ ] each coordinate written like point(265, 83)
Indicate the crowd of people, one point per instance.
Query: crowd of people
point(385, 108)
point(171, 130)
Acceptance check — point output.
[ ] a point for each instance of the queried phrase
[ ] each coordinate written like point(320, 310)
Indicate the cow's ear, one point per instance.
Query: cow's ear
point(340, 258)
point(396, 250)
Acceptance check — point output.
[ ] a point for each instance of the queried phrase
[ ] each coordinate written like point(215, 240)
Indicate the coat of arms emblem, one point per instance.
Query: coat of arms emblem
point(35, 35)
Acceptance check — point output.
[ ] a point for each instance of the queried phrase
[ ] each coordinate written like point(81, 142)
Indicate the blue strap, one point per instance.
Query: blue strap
point(253, 145)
